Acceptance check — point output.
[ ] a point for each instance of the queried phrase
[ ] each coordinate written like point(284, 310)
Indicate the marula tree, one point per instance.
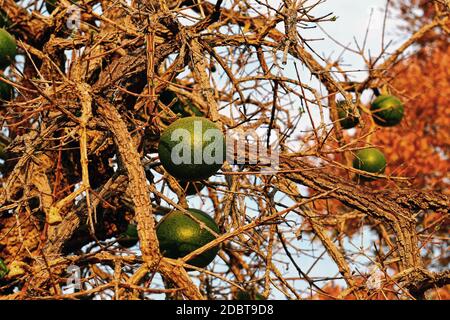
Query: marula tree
point(87, 152)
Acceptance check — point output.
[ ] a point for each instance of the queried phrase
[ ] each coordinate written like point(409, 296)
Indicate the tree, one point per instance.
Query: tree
point(81, 160)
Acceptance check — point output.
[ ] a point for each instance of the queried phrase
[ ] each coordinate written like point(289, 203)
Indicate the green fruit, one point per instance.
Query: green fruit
point(346, 118)
point(8, 49)
point(192, 149)
point(3, 269)
point(6, 91)
point(247, 295)
point(130, 237)
point(387, 111)
point(370, 160)
point(179, 234)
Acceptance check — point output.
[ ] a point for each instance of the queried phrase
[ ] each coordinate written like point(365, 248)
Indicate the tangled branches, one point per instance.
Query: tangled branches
point(81, 158)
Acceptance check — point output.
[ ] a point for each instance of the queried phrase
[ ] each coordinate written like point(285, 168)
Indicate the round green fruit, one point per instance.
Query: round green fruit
point(369, 160)
point(192, 149)
point(130, 237)
point(6, 91)
point(346, 118)
point(8, 49)
point(179, 234)
point(387, 111)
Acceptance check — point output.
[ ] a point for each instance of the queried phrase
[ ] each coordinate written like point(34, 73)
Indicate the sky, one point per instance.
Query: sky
point(353, 17)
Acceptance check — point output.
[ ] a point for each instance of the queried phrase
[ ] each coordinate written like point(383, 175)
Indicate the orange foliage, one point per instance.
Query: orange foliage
point(420, 146)
point(439, 294)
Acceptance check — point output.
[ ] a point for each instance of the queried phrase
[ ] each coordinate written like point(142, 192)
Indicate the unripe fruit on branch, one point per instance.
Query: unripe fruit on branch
point(192, 149)
point(179, 234)
point(346, 118)
point(387, 111)
point(370, 160)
